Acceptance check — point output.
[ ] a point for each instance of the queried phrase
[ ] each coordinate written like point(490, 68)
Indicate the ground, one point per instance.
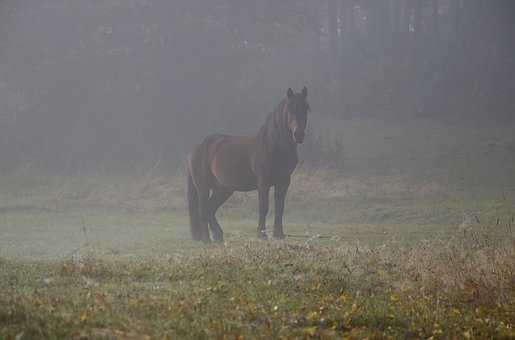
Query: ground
point(399, 253)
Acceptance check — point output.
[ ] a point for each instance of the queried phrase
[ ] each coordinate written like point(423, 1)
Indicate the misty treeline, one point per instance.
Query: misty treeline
point(119, 83)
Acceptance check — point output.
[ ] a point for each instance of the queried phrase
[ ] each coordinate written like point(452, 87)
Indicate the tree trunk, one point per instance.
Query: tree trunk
point(345, 14)
point(436, 24)
point(332, 9)
point(395, 17)
point(417, 17)
point(456, 16)
point(406, 16)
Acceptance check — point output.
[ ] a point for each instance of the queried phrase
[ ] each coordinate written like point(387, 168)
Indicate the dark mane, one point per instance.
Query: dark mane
point(274, 133)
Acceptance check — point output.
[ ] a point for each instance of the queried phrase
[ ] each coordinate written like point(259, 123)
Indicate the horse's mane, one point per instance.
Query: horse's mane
point(273, 134)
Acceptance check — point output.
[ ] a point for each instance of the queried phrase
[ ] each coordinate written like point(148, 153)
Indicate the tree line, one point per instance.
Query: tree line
point(92, 84)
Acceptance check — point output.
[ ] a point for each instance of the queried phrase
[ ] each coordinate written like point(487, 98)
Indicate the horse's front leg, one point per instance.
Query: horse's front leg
point(263, 193)
point(280, 191)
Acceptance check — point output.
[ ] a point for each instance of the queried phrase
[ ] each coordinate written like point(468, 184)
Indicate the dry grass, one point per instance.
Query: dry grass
point(459, 288)
point(419, 243)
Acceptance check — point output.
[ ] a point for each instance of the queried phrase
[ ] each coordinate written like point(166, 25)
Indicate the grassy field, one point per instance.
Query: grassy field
point(251, 289)
point(95, 257)
point(422, 249)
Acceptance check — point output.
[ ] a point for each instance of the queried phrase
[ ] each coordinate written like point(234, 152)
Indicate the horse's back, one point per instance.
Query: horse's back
point(204, 149)
point(227, 160)
point(198, 161)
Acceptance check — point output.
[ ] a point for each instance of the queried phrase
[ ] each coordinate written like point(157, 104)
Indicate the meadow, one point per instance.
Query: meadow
point(403, 240)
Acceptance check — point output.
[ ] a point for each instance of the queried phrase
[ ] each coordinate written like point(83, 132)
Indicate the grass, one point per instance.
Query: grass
point(148, 214)
point(411, 240)
point(99, 257)
point(252, 289)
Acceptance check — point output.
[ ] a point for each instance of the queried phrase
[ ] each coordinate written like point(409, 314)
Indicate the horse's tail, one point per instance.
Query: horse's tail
point(193, 206)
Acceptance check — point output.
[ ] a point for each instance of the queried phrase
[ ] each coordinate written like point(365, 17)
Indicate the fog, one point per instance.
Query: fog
point(398, 218)
point(88, 85)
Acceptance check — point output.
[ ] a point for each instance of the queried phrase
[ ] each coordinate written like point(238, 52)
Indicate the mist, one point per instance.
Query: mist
point(405, 184)
point(90, 84)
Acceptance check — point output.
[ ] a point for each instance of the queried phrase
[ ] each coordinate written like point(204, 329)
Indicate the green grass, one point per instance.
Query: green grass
point(252, 289)
point(407, 240)
point(100, 257)
point(51, 218)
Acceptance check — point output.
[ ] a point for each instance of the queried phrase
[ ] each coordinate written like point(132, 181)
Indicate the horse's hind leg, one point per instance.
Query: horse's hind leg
point(204, 214)
point(218, 198)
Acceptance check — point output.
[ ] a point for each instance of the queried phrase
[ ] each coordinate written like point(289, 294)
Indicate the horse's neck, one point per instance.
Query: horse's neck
point(275, 138)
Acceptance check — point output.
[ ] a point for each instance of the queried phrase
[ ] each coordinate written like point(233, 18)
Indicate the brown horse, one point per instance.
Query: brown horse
point(223, 164)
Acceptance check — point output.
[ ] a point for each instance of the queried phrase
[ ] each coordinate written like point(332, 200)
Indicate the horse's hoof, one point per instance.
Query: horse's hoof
point(262, 235)
point(279, 236)
point(218, 239)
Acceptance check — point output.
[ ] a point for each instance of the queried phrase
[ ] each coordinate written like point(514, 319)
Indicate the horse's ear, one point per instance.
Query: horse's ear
point(289, 93)
point(304, 92)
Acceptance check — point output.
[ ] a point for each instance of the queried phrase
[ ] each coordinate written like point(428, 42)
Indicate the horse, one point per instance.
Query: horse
point(223, 164)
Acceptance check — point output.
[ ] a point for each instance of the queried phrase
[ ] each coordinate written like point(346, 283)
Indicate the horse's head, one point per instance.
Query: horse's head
point(297, 108)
